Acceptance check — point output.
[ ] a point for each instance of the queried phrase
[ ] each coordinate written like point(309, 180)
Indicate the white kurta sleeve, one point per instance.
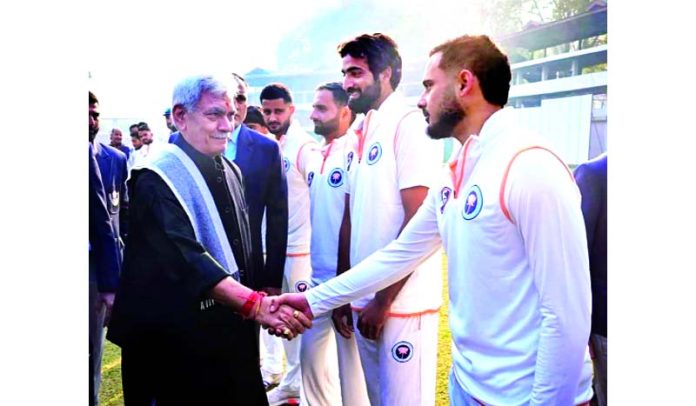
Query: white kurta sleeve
point(419, 239)
point(545, 205)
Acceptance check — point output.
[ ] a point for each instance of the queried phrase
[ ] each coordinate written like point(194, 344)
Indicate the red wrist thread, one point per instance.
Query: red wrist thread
point(249, 308)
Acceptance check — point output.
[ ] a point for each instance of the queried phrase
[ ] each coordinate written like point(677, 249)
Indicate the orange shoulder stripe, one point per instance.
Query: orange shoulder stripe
point(501, 196)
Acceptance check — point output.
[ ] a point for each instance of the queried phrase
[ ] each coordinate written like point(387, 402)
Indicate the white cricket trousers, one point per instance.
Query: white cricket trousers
point(401, 365)
point(331, 370)
point(297, 274)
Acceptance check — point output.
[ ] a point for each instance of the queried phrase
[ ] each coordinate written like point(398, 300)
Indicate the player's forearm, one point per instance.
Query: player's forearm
point(385, 297)
point(382, 269)
point(560, 363)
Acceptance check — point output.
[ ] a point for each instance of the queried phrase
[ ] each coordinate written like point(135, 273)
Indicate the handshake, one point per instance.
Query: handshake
point(286, 316)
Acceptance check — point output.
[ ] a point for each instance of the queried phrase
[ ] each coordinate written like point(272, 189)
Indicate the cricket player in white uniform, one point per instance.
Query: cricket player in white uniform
point(298, 149)
point(507, 212)
point(392, 168)
point(325, 354)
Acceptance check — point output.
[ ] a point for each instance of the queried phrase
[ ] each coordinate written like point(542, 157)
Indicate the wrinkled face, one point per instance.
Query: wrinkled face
point(277, 114)
point(325, 113)
point(145, 136)
point(439, 100)
point(240, 103)
point(208, 127)
point(362, 88)
point(93, 121)
point(116, 137)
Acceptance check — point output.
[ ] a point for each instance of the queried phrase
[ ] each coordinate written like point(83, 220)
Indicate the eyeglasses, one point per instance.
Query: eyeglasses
point(240, 98)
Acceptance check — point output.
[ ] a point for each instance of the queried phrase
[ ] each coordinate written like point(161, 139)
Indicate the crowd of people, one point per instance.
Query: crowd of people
point(245, 241)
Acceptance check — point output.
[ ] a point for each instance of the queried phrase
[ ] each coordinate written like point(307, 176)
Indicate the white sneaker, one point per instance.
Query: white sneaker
point(281, 396)
point(270, 379)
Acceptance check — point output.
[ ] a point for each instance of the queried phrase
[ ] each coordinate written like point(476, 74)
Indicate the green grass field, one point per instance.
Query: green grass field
point(111, 393)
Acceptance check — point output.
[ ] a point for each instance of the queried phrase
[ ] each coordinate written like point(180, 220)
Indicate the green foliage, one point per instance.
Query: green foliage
point(568, 8)
point(601, 67)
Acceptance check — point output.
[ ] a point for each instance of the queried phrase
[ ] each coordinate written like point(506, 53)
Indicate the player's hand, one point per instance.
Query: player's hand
point(372, 318)
point(342, 318)
point(282, 320)
point(295, 300)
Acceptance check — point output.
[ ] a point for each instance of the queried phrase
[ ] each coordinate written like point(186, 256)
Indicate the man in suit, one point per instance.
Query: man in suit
point(170, 124)
point(266, 190)
point(114, 172)
point(104, 248)
point(591, 178)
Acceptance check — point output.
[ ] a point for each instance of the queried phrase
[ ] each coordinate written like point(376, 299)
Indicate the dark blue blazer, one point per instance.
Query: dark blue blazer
point(114, 173)
point(125, 149)
point(104, 252)
point(591, 178)
point(265, 187)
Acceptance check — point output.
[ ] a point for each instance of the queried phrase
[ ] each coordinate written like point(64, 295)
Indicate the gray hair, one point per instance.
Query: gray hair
point(189, 91)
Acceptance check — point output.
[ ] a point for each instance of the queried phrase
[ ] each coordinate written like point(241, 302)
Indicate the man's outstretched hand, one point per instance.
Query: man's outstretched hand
point(295, 300)
point(283, 321)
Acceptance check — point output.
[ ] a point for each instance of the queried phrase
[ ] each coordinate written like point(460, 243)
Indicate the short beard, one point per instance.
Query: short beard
point(326, 128)
point(282, 130)
point(448, 120)
point(367, 98)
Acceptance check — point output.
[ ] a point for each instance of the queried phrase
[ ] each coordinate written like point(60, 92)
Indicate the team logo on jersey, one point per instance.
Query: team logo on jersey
point(402, 351)
point(301, 286)
point(349, 159)
point(310, 178)
point(444, 196)
point(375, 153)
point(336, 177)
point(286, 164)
point(473, 203)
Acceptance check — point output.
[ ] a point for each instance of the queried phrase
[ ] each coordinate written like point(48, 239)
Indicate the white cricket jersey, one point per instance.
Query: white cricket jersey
point(519, 286)
point(394, 154)
point(298, 149)
point(327, 189)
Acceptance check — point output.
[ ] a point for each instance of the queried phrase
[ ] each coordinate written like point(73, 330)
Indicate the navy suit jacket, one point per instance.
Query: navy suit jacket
point(104, 253)
point(591, 178)
point(125, 149)
point(265, 187)
point(114, 173)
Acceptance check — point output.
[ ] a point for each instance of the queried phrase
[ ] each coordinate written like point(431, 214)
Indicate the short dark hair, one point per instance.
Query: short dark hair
point(484, 59)
point(379, 50)
point(134, 125)
point(255, 116)
point(92, 98)
point(339, 94)
point(135, 135)
point(142, 126)
point(276, 91)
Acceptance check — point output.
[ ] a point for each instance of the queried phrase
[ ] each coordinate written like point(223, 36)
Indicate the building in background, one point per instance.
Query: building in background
point(559, 84)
